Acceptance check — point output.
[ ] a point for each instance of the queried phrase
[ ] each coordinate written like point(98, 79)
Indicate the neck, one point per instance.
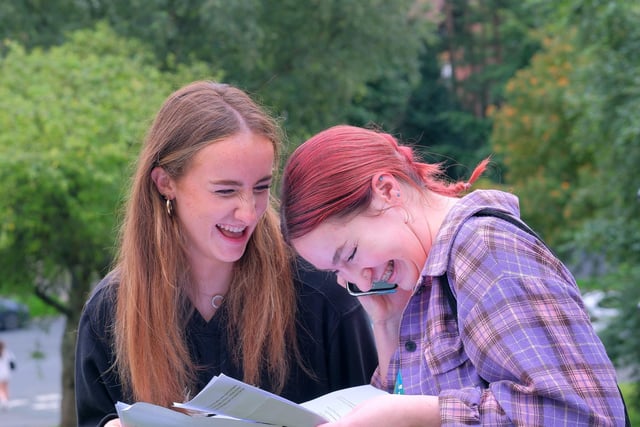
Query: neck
point(430, 215)
point(210, 287)
point(212, 279)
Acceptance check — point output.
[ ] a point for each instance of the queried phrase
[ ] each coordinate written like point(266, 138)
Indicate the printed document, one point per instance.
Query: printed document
point(227, 402)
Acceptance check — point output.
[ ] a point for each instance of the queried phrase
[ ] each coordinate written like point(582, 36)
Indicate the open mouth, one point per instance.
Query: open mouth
point(388, 272)
point(230, 231)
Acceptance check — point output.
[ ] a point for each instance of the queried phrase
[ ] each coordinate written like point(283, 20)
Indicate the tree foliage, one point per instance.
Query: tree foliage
point(463, 72)
point(67, 134)
point(580, 126)
point(609, 127)
point(532, 135)
point(437, 124)
point(569, 130)
point(73, 117)
point(40, 22)
point(306, 60)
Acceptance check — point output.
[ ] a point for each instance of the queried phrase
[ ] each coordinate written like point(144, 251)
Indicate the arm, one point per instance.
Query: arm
point(393, 410)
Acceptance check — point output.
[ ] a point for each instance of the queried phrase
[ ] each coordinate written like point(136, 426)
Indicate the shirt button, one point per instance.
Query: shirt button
point(410, 346)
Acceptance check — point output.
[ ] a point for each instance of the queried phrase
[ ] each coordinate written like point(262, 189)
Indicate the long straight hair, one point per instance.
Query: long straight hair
point(152, 357)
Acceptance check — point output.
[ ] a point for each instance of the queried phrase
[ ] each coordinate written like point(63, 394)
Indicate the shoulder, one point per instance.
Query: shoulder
point(462, 226)
point(99, 309)
point(492, 224)
point(318, 291)
point(494, 242)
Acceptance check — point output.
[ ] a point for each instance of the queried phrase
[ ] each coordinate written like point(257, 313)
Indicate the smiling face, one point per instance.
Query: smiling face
point(366, 248)
point(222, 196)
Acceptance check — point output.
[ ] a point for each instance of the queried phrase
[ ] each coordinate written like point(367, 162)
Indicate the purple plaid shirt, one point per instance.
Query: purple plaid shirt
point(522, 350)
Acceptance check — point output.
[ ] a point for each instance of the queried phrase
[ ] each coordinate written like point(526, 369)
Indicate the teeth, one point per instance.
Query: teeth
point(387, 272)
point(231, 229)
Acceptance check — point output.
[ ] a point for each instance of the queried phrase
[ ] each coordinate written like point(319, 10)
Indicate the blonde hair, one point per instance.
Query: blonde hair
point(152, 357)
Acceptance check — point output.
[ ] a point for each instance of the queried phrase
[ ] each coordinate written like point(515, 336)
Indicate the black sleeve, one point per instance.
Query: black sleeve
point(336, 334)
point(96, 384)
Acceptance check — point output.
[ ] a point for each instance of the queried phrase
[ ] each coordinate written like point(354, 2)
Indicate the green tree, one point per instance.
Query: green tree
point(583, 129)
point(40, 22)
point(463, 73)
point(72, 118)
point(483, 44)
point(440, 126)
point(306, 60)
point(531, 134)
point(609, 127)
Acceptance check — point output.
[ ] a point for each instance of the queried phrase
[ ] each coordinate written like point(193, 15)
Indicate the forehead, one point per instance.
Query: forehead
point(320, 244)
point(238, 154)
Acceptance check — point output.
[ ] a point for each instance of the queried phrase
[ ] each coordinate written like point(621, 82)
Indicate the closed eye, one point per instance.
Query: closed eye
point(353, 254)
point(262, 188)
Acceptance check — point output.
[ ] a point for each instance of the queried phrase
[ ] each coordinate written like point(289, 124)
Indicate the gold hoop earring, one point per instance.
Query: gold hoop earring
point(169, 206)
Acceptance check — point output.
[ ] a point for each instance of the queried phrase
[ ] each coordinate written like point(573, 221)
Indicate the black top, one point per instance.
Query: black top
point(333, 330)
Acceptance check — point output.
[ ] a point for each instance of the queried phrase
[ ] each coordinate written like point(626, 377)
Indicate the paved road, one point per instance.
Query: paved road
point(35, 387)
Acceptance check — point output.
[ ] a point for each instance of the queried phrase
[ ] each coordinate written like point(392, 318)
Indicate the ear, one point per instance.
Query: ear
point(386, 191)
point(163, 182)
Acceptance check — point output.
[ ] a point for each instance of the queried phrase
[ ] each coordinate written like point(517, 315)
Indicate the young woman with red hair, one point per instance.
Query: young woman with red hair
point(485, 325)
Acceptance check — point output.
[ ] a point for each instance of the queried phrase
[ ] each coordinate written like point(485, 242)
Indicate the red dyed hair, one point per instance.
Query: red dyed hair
point(330, 175)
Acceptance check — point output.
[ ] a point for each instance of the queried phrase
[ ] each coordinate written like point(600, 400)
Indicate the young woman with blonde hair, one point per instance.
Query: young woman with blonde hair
point(204, 283)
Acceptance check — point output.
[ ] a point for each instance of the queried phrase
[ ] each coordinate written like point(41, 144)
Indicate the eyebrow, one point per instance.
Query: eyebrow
point(337, 255)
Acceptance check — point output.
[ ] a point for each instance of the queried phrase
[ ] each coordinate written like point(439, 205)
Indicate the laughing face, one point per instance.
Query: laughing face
point(365, 249)
point(221, 197)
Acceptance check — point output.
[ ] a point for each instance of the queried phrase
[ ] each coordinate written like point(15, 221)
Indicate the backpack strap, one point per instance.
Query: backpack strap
point(451, 299)
point(446, 287)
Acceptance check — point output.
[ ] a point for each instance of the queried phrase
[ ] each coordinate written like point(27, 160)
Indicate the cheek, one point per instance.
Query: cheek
point(262, 202)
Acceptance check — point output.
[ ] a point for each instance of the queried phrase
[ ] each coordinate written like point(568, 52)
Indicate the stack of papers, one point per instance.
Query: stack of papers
point(227, 402)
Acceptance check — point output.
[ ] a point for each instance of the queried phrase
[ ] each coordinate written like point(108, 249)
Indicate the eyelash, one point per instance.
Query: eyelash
point(262, 188)
point(353, 254)
point(350, 258)
point(258, 189)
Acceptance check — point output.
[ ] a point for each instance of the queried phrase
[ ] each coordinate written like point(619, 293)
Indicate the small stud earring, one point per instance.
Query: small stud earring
point(398, 194)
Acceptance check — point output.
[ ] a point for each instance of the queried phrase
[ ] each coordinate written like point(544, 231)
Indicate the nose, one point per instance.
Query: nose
point(246, 209)
point(361, 278)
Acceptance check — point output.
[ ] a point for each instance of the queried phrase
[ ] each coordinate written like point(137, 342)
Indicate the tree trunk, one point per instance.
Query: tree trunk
point(68, 404)
point(79, 290)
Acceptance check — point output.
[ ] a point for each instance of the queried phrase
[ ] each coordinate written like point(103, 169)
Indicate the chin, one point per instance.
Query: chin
point(230, 255)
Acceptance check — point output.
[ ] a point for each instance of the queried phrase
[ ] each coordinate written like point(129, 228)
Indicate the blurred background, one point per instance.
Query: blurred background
point(549, 88)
